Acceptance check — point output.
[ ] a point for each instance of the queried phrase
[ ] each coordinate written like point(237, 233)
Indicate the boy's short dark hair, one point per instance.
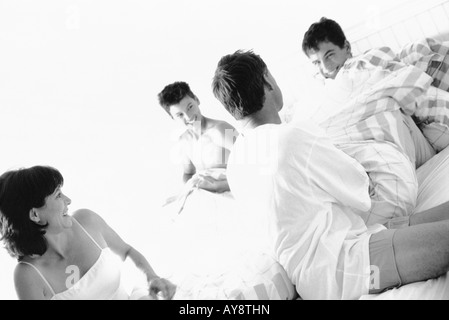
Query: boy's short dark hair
point(322, 31)
point(239, 83)
point(173, 94)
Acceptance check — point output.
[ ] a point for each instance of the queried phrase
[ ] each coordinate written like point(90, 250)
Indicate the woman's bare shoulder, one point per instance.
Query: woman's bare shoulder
point(28, 283)
point(87, 218)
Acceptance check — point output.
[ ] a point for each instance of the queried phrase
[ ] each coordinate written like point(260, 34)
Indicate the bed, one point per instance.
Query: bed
point(212, 256)
point(419, 36)
point(407, 23)
point(422, 23)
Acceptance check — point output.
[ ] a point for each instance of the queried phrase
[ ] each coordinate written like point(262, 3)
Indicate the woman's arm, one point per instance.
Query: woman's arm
point(155, 283)
point(124, 250)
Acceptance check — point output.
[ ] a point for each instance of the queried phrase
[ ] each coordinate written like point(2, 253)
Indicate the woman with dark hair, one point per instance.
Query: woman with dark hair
point(63, 257)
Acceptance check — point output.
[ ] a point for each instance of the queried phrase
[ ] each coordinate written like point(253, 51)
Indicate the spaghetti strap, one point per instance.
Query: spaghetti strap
point(41, 275)
point(88, 234)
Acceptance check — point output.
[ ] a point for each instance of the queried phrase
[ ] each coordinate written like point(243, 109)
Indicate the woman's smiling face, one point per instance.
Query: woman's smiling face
point(55, 211)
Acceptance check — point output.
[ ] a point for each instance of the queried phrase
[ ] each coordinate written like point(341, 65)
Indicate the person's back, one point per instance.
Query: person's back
point(296, 185)
point(311, 189)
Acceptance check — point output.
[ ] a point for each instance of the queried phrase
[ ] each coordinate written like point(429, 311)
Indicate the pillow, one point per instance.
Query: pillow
point(432, 115)
point(379, 56)
point(441, 74)
point(421, 54)
point(432, 57)
point(433, 182)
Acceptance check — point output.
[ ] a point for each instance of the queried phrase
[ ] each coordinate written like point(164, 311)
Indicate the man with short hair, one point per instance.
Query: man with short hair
point(326, 46)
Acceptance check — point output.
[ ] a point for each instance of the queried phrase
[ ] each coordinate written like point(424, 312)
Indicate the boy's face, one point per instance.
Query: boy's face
point(187, 111)
point(329, 58)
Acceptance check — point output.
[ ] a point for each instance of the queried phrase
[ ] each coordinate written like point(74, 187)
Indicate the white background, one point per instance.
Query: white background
point(79, 83)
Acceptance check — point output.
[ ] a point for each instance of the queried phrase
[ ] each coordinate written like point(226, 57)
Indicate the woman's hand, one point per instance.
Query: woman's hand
point(161, 286)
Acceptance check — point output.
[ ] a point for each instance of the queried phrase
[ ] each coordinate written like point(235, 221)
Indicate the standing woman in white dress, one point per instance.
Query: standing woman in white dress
point(62, 256)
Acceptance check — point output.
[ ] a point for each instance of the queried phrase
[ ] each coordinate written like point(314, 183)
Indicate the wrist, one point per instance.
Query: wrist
point(399, 222)
point(151, 281)
point(152, 276)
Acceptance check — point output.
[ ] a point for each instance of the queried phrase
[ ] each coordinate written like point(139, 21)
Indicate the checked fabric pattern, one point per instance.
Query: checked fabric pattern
point(366, 104)
point(432, 116)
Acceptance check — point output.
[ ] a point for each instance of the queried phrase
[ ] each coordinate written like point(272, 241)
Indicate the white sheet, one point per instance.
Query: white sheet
point(212, 251)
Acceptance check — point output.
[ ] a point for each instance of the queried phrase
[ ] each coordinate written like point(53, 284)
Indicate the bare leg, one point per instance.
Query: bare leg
point(422, 251)
point(439, 213)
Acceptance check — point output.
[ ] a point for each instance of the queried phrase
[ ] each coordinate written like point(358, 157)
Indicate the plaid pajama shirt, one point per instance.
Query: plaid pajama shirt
point(369, 127)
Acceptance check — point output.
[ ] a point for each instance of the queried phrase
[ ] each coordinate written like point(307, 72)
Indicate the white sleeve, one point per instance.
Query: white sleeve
point(339, 175)
point(312, 164)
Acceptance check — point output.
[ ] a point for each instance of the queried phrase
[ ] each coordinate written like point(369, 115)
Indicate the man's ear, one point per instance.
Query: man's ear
point(268, 82)
point(34, 216)
point(348, 47)
point(197, 100)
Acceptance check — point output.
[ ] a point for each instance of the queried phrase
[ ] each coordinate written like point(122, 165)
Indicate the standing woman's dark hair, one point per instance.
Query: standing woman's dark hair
point(20, 191)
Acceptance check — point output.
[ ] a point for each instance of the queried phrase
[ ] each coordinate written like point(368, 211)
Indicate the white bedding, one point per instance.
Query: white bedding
point(213, 256)
point(211, 252)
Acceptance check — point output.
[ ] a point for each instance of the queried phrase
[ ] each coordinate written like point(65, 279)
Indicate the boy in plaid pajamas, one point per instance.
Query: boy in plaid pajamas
point(389, 163)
